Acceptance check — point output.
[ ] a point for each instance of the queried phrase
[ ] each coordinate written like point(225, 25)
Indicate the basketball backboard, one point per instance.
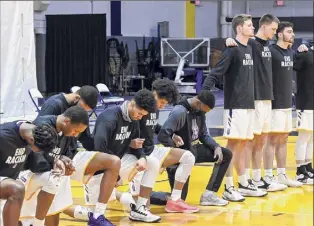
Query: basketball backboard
point(194, 50)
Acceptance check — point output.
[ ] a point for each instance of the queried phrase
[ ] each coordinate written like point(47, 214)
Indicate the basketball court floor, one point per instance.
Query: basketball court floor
point(292, 207)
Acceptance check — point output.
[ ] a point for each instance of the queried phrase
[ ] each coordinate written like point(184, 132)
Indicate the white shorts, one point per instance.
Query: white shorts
point(305, 120)
point(281, 121)
point(80, 161)
point(34, 183)
point(159, 152)
point(238, 124)
point(262, 118)
point(3, 178)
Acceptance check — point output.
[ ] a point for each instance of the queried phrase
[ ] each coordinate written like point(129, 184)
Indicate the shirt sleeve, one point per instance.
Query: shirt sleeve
point(204, 136)
point(298, 59)
point(139, 153)
point(87, 140)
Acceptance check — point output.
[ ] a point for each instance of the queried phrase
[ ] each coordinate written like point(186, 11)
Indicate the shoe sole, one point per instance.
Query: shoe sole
point(185, 211)
point(155, 221)
point(211, 204)
point(254, 195)
point(240, 200)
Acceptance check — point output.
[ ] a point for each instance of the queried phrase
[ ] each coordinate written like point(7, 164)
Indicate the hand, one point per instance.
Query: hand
point(137, 143)
point(58, 168)
point(218, 153)
point(177, 140)
point(69, 168)
point(302, 48)
point(231, 42)
point(141, 164)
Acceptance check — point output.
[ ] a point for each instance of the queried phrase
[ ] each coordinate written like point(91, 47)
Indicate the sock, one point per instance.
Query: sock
point(281, 171)
point(81, 213)
point(269, 172)
point(247, 173)
point(176, 194)
point(243, 180)
point(229, 182)
point(141, 202)
point(38, 222)
point(256, 174)
point(99, 209)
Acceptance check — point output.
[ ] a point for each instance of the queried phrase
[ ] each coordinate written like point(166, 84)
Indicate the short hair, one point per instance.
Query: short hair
point(45, 137)
point(282, 25)
point(268, 19)
point(145, 100)
point(77, 115)
point(239, 20)
point(207, 98)
point(89, 94)
point(166, 89)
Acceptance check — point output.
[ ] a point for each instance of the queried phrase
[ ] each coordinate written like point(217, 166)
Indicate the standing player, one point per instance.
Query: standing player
point(236, 65)
point(187, 124)
point(304, 103)
point(14, 138)
point(282, 67)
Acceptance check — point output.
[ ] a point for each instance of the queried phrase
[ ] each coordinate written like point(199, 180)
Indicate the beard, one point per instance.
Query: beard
point(289, 40)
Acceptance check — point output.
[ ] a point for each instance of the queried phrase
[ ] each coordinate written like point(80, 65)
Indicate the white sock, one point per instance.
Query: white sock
point(256, 174)
point(176, 194)
point(298, 165)
point(81, 213)
point(141, 202)
point(38, 222)
point(126, 199)
point(99, 209)
point(247, 173)
point(281, 171)
point(243, 180)
point(229, 182)
point(269, 172)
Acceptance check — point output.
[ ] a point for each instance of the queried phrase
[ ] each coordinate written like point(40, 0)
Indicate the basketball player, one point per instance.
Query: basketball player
point(40, 181)
point(115, 128)
point(86, 163)
point(14, 138)
point(282, 67)
point(187, 123)
point(304, 104)
point(236, 64)
point(165, 92)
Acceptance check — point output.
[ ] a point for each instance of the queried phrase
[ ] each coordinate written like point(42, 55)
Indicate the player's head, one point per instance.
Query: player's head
point(75, 121)
point(285, 32)
point(143, 103)
point(205, 101)
point(87, 97)
point(165, 92)
point(42, 138)
point(268, 24)
point(242, 25)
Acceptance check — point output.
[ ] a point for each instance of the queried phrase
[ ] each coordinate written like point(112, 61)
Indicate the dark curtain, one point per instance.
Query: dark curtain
point(75, 51)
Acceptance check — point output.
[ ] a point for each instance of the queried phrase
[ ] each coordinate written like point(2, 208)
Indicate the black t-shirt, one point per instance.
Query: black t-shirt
point(304, 66)
point(13, 151)
point(236, 65)
point(148, 127)
point(263, 81)
point(282, 64)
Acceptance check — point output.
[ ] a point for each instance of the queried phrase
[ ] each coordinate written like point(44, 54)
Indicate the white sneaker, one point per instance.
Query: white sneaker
point(304, 179)
point(273, 184)
point(251, 190)
point(232, 195)
point(284, 179)
point(212, 200)
point(142, 214)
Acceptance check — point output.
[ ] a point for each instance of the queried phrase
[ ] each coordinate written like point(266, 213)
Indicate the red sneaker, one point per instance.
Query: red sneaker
point(180, 206)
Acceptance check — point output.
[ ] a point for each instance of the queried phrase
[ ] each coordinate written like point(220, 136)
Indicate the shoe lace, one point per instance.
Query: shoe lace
point(144, 212)
point(251, 185)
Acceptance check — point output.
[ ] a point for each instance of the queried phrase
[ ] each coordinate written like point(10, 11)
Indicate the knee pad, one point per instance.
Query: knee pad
point(187, 161)
point(151, 174)
point(53, 184)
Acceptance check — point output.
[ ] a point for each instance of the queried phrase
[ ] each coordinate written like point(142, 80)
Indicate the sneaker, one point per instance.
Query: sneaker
point(251, 190)
point(180, 206)
point(211, 199)
point(100, 221)
point(304, 179)
point(284, 179)
point(142, 214)
point(232, 195)
point(269, 184)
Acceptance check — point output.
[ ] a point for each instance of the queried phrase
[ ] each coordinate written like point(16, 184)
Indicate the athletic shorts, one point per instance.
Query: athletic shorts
point(80, 161)
point(281, 121)
point(305, 120)
point(238, 124)
point(262, 118)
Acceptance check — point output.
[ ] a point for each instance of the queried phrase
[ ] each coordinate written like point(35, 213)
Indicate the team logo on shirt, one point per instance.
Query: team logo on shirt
point(124, 134)
point(266, 52)
point(55, 152)
point(248, 60)
point(152, 121)
point(18, 157)
point(287, 63)
point(195, 130)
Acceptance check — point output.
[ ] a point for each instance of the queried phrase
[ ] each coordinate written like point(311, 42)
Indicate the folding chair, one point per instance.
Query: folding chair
point(106, 97)
point(37, 98)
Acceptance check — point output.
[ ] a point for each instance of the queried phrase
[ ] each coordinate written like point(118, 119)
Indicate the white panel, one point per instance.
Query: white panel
point(140, 18)
point(206, 20)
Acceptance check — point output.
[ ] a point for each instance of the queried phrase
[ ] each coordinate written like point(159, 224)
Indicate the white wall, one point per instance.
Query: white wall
point(140, 18)
point(207, 21)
